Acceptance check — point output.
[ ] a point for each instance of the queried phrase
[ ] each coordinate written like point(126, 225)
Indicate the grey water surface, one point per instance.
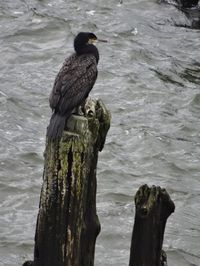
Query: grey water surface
point(149, 76)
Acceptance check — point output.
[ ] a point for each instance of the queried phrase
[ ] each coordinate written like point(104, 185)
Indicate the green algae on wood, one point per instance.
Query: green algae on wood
point(67, 223)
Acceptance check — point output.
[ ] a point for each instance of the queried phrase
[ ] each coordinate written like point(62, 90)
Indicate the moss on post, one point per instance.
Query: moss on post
point(67, 224)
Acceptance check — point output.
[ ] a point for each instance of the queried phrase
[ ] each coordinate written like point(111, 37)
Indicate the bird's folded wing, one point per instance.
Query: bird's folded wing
point(73, 83)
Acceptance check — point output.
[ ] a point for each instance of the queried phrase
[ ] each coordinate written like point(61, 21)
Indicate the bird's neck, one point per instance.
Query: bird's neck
point(88, 49)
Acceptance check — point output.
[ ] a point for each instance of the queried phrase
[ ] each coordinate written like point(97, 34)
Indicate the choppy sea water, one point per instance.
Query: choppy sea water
point(149, 75)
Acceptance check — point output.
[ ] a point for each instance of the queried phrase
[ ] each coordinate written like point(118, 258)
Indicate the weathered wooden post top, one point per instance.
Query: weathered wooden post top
point(153, 207)
point(67, 223)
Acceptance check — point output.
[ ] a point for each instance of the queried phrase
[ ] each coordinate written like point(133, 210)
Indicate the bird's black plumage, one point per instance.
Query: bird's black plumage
point(73, 83)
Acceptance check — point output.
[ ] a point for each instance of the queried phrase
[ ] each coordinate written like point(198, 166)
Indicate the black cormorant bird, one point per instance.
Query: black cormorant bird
point(73, 82)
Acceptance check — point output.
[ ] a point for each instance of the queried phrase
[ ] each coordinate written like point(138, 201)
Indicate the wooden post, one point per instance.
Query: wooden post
point(67, 223)
point(153, 207)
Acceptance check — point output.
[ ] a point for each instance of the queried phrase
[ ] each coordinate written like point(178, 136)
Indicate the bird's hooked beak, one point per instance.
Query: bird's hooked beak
point(101, 40)
point(94, 41)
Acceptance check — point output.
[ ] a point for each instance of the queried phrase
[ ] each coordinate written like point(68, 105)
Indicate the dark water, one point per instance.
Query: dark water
point(149, 79)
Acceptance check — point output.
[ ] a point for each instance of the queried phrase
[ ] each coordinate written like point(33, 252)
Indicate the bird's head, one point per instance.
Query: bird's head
point(84, 38)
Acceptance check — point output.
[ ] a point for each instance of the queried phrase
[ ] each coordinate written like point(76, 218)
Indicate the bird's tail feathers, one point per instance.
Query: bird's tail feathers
point(56, 126)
